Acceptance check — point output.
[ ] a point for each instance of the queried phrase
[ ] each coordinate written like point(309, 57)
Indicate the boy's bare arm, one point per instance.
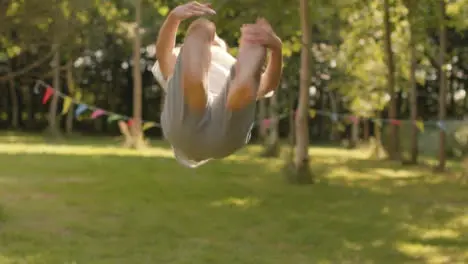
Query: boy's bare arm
point(271, 78)
point(165, 43)
point(263, 34)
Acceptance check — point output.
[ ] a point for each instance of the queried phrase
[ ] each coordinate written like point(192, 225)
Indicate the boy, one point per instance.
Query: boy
point(209, 108)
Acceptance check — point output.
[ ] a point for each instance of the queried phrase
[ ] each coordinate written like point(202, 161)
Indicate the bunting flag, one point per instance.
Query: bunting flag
point(266, 123)
point(354, 119)
point(78, 96)
point(441, 125)
point(97, 113)
point(148, 125)
point(378, 123)
point(395, 122)
point(334, 117)
point(111, 117)
point(420, 125)
point(36, 88)
point(67, 101)
point(312, 113)
point(80, 109)
point(49, 92)
point(341, 127)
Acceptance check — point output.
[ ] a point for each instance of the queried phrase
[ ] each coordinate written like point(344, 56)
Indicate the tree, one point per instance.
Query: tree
point(412, 7)
point(394, 135)
point(272, 140)
point(72, 92)
point(53, 128)
point(137, 132)
point(301, 159)
point(261, 116)
point(443, 83)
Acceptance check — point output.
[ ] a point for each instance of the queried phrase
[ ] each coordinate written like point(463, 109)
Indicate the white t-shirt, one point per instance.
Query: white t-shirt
point(221, 64)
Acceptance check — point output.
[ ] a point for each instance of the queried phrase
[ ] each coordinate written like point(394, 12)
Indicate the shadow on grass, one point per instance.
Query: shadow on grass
point(148, 209)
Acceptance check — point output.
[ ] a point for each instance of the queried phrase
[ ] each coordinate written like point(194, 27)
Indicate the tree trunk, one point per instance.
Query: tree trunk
point(354, 134)
point(14, 105)
point(72, 91)
point(335, 132)
point(366, 129)
point(394, 145)
point(414, 93)
point(443, 84)
point(273, 135)
point(262, 114)
point(377, 148)
point(14, 118)
point(301, 161)
point(137, 132)
point(53, 119)
point(292, 128)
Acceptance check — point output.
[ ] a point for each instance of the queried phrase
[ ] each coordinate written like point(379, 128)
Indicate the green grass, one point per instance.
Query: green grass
point(91, 202)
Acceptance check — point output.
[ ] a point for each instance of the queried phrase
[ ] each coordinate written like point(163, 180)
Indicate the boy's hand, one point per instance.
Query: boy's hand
point(261, 33)
point(191, 9)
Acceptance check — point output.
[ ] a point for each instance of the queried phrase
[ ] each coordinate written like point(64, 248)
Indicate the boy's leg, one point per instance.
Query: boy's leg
point(184, 115)
point(243, 88)
point(233, 110)
point(195, 59)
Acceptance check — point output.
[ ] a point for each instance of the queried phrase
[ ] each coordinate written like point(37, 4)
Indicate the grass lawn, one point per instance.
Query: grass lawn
point(91, 202)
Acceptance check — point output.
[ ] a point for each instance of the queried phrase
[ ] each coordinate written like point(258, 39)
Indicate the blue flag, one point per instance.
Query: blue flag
point(80, 109)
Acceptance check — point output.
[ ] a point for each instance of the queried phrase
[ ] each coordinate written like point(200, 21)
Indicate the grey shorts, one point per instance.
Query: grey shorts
point(214, 134)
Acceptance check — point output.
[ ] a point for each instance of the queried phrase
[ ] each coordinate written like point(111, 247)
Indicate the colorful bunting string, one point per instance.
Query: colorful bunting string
point(81, 108)
point(68, 101)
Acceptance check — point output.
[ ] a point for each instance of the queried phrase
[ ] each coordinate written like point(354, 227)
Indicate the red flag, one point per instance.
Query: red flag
point(354, 119)
point(266, 123)
point(48, 93)
point(395, 122)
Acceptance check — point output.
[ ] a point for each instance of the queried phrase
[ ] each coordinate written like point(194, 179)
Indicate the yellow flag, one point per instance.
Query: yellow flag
point(66, 104)
point(78, 95)
point(420, 125)
point(312, 113)
point(341, 127)
point(378, 122)
point(148, 125)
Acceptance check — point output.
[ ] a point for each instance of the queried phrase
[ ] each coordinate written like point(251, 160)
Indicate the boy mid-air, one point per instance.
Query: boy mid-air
point(209, 107)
